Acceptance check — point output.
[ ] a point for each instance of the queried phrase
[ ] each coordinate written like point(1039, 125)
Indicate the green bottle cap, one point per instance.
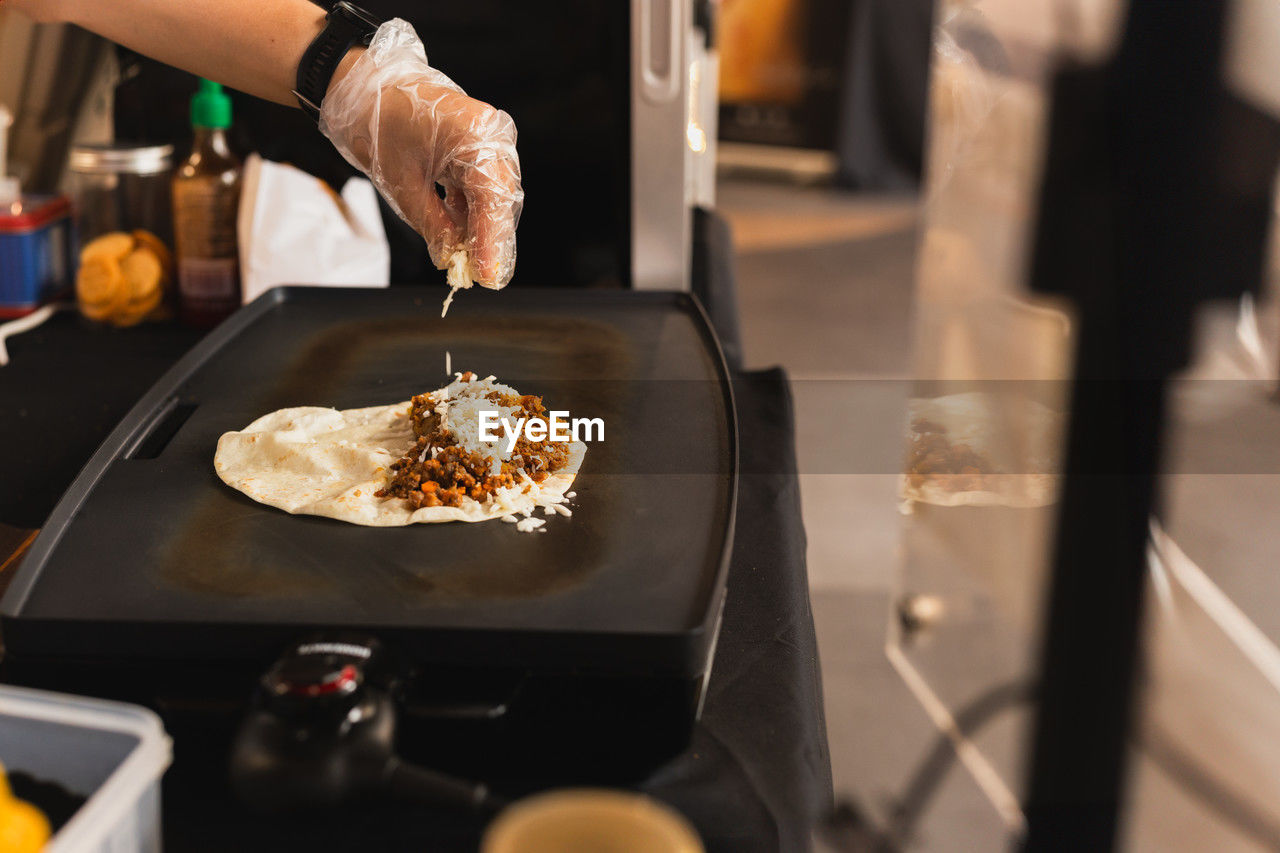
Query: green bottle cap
point(210, 107)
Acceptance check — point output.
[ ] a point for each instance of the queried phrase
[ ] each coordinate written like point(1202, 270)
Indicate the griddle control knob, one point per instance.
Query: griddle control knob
point(322, 727)
point(318, 674)
point(316, 681)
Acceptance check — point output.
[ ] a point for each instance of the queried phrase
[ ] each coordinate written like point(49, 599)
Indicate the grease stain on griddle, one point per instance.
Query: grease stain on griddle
point(494, 579)
point(548, 345)
point(235, 548)
point(212, 553)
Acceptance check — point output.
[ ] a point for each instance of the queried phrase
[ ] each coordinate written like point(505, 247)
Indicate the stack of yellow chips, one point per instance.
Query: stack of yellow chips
point(123, 277)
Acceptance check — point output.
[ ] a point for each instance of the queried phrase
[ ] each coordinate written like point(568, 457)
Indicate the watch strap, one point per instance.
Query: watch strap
point(346, 26)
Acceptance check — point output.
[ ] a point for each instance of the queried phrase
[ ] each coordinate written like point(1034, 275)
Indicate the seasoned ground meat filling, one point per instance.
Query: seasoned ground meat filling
point(933, 454)
point(536, 458)
point(436, 472)
point(443, 480)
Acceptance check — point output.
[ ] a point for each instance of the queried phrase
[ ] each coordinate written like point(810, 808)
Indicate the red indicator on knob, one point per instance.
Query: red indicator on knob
point(335, 682)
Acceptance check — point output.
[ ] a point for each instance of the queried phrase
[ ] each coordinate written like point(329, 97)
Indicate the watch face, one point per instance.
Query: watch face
point(358, 14)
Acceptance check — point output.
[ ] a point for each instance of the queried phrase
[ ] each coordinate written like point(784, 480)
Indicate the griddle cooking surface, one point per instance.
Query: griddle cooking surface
point(157, 558)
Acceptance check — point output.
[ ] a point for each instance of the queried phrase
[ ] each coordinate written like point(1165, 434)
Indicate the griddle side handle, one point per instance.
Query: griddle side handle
point(151, 441)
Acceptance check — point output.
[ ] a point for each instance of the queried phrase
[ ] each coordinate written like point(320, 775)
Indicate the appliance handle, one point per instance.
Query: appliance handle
point(658, 25)
point(430, 787)
point(156, 433)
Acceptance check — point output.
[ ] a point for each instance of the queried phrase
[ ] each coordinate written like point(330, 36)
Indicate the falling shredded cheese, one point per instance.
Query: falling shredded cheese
point(459, 277)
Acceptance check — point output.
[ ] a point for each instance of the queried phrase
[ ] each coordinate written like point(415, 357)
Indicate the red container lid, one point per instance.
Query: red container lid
point(33, 211)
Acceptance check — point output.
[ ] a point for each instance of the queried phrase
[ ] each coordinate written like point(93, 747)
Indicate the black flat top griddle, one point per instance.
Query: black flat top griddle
point(150, 557)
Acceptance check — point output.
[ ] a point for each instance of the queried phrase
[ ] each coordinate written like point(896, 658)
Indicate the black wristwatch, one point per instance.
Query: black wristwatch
point(345, 27)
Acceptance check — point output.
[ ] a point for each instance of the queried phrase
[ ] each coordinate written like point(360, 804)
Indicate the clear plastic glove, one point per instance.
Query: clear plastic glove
point(409, 127)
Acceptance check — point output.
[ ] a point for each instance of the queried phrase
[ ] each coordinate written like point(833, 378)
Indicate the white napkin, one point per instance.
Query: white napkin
point(294, 230)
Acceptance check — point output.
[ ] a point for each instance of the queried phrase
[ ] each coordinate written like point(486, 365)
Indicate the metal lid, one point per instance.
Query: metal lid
point(121, 158)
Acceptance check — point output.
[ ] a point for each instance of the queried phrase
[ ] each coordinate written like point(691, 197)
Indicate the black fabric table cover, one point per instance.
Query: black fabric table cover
point(757, 775)
point(67, 385)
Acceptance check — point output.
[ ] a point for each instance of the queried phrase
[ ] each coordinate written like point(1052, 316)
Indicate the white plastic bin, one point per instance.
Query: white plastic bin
point(109, 752)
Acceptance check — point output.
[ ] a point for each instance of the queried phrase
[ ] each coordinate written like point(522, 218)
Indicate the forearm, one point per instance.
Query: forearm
point(250, 45)
point(430, 134)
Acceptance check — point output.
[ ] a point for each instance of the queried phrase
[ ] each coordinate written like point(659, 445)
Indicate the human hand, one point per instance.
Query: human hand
point(409, 127)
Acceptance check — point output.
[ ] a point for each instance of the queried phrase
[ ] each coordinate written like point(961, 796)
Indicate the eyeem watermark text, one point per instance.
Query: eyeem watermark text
point(557, 426)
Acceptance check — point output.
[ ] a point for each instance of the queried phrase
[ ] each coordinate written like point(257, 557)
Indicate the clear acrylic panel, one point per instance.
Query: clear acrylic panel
point(984, 435)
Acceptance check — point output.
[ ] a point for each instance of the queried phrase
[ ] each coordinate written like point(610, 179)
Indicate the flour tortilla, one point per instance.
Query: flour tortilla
point(316, 461)
point(1015, 433)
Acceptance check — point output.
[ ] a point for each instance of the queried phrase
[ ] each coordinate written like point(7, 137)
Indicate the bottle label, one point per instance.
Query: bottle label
point(209, 279)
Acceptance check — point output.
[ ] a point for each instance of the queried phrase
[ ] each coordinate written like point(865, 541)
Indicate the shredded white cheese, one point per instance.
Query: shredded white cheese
point(460, 405)
point(458, 277)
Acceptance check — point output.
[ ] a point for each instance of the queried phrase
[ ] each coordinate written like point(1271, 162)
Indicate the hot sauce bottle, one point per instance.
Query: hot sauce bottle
point(206, 198)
